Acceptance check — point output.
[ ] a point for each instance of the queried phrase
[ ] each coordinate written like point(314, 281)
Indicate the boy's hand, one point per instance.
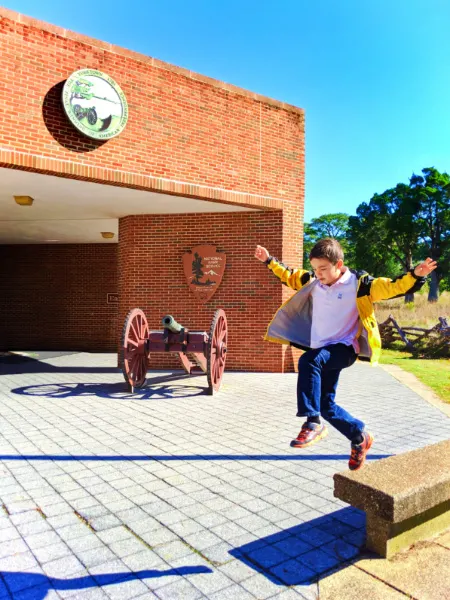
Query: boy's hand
point(261, 254)
point(425, 268)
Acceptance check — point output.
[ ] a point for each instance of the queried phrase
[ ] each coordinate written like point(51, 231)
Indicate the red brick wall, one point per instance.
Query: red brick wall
point(54, 297)
point(182, 126)
point(186, 134)
point(151, 277)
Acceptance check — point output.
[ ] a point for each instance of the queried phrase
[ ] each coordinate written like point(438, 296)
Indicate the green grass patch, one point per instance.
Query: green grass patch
point(434, 373)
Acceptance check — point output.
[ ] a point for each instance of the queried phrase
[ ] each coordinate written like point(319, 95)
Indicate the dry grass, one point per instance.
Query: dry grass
point(420, 314)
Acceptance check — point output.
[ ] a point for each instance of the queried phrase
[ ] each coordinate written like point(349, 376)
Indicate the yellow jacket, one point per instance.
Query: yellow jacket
point(292, 321)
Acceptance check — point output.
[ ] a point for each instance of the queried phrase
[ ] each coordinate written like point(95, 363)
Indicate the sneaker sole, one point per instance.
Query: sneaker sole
point(369, 446)
point(323, 434)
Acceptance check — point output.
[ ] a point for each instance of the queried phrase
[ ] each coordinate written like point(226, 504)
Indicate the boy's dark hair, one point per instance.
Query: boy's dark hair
point(327, 248)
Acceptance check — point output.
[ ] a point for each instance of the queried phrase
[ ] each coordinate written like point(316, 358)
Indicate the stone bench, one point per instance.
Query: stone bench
point(406, 497)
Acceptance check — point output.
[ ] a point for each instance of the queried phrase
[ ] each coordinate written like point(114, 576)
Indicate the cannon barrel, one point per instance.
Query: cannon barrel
point(169, 323)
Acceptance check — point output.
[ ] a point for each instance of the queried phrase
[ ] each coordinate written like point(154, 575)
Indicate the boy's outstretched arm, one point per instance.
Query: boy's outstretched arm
point(293, 278)
point(383, 288)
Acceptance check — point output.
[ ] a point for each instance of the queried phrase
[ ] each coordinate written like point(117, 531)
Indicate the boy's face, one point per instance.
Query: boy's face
point(325, 271)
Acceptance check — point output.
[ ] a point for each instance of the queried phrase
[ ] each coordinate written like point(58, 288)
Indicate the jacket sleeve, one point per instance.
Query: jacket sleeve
point(293, 278)
point(383, 288)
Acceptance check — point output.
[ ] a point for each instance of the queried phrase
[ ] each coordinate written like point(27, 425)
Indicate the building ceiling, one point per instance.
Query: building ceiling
point(68, 211)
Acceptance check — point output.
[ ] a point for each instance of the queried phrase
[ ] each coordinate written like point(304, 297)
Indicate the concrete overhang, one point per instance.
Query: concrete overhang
point(69, 211)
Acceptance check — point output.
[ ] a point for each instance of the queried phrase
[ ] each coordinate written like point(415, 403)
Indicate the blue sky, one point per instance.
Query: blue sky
point(373, 77)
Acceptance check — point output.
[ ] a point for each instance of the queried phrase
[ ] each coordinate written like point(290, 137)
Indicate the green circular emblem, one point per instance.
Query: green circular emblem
point(95, 104)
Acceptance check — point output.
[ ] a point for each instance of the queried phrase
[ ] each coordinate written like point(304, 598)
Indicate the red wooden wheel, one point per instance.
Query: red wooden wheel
point(216, 352)
point(134, 334)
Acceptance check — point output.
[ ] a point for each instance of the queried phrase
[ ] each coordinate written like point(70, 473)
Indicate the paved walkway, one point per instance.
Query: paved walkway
point(173, 494)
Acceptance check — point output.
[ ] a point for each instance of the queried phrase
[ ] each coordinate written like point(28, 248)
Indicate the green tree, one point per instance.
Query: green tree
point(432, 191)
point(404, 225)
point(385, 232)
point(334, 225)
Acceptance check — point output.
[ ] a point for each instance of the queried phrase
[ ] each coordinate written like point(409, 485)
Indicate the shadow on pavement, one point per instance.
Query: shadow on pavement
point(114, 391)
point(173, 457)
point(36, 585)
point(301, 554)
point(17, 364)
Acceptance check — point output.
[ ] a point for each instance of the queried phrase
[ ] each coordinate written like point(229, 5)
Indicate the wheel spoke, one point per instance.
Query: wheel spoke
point(139, 371)
point(132, 363)
point(132, 327)
point(139, 325)
point(217, 370)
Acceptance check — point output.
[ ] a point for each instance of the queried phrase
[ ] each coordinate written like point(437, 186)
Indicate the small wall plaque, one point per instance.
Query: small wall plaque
point(204, 268)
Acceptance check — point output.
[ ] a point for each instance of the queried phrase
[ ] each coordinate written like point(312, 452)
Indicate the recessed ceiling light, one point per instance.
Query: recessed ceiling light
point(107, 235)
point(24, 200)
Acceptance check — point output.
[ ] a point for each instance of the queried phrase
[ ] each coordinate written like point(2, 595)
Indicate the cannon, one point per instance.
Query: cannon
point(198, 351)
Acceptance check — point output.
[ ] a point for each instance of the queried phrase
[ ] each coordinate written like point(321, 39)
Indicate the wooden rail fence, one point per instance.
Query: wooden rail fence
point(434, 341)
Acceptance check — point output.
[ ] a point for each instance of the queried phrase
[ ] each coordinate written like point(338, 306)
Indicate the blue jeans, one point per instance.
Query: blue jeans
point(318, 376)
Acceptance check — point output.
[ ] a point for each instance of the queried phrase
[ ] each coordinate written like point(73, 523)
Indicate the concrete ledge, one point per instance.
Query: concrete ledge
point(406, 497)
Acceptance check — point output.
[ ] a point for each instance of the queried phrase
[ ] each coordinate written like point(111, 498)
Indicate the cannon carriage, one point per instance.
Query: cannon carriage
point(198, 351)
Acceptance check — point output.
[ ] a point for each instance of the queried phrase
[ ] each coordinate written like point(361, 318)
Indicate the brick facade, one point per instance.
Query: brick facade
point(55, 297)
point(150, 250)
point(187, 135)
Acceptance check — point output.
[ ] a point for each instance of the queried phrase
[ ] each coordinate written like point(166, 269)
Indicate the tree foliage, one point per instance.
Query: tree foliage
point(334, 225)
point(395, 230)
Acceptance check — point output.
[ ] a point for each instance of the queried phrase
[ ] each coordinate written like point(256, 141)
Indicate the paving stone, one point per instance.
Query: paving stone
point(111, 571)
point(3, 590)
point(234, 592)
point(126, 547)
point(12, 547)
point(261, 587)
point(173, 550)
point(62, 567)
point(105, 522)
point(33, 593)
point(209, 583)
point(159, 536)
point(180, 590)
point(145, 559)
point(219, 553)
point(238, 493)
point(202, 540)
point(90, 594)
point(126, 589)
point(52, 552)
point(25, 579)
point(238, 571)
point(97, 556)
point(293, 572)
point(9, 533)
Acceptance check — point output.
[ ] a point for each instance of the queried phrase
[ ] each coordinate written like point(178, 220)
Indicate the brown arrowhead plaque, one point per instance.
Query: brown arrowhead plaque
point(204, 268)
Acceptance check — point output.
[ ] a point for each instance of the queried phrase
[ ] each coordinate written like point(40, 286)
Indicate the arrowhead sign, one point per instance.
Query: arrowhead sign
point(204, 268)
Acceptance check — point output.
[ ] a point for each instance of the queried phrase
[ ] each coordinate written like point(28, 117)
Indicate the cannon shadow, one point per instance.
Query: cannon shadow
point(115, 391)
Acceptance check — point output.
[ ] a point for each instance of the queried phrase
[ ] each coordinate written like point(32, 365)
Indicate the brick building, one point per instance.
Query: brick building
point(198, 162)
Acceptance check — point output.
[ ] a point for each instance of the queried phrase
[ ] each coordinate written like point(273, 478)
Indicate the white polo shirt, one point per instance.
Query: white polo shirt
point(335, 318)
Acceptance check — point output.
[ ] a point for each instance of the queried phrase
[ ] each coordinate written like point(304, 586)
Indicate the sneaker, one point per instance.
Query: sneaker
point(310, 433)
point(359, 452)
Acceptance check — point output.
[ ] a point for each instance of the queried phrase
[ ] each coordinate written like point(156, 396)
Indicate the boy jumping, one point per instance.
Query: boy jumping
point(332, 317)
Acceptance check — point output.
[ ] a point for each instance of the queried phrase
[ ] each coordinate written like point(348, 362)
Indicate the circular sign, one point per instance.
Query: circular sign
point(95, 104)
